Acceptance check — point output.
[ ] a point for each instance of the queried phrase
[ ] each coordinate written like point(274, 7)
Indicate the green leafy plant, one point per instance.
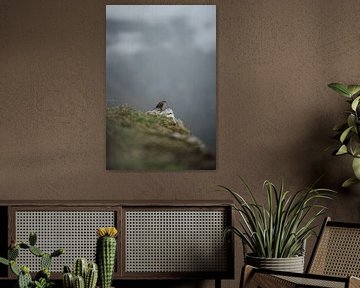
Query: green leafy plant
point(279, 229)
point(43, 283)
point(348, 132)
point(42, 278)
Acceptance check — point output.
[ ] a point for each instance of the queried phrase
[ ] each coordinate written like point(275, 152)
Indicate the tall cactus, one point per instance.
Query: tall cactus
point(106, 254)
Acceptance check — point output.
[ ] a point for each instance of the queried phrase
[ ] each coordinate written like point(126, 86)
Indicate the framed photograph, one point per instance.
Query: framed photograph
point(161, 87)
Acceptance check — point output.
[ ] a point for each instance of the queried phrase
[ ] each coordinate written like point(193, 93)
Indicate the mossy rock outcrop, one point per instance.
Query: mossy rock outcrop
point(138, 140)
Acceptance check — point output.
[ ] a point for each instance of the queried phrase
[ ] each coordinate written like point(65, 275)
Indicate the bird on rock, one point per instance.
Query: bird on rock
point(161, 105)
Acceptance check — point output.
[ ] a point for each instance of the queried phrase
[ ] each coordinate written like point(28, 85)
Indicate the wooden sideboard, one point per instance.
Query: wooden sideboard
point(157, 240)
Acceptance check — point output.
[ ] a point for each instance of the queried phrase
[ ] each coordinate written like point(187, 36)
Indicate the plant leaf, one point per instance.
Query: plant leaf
point(342, 150)
point(349, 182)
point(351, 120)
point(353, 89)
point(340, 88)
point(356, 167)
point(4, 261)
point(355, 103)
point(345, 134)
point(354, 145)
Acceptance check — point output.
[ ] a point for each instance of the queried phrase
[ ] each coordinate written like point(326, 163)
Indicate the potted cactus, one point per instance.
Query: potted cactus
point(106, 254)
point(85, 275)
point(42, 278)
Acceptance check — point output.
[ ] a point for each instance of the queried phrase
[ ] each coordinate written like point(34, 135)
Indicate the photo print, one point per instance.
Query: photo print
point(160, 87)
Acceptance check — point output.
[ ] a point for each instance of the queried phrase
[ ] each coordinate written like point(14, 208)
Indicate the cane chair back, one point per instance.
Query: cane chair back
point(337, 252)
point(335, 262)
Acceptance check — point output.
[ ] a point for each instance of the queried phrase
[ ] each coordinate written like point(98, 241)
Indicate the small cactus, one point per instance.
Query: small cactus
point(68, 280)
point(14, 268)
point(57, 252)
point(89, 272)
point(91, 276)
point(32, 238)
point(36, 251)
point(13, 253)
point(106, 254)
point(24, 245)
point(79, 282)
point(25, 269)
point(80, 268)
point(45, 261)
point(44, 273)
point(24, 278)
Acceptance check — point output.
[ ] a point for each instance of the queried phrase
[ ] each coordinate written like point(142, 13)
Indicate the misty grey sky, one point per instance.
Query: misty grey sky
point(164, 52)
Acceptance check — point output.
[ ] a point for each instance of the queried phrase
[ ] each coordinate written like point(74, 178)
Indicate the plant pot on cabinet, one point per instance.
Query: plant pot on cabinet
point(276, 232)
point(291, 264)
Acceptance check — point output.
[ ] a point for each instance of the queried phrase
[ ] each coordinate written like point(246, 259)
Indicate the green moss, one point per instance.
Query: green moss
point(141, 141)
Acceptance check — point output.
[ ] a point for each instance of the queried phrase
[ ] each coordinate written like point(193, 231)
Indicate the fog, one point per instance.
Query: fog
point(164, 52)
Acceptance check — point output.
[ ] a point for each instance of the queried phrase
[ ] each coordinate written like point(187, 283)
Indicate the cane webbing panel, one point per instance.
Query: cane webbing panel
point(267, 280)
point(75, 231)
point(313, 282)
point(175, 241)
point(338, 252)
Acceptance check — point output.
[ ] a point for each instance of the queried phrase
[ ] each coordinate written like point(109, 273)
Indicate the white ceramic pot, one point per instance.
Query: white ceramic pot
point(291, 264)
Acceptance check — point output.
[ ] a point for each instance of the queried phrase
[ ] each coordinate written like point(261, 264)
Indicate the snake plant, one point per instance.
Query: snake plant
point(279, 228)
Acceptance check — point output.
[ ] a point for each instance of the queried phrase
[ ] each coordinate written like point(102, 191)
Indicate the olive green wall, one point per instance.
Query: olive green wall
point(275, 113)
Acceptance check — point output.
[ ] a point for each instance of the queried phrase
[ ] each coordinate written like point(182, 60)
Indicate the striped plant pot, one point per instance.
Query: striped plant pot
point(291, 264)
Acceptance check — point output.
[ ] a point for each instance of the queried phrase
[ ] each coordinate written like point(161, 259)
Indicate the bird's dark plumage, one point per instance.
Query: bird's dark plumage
point(161, 105)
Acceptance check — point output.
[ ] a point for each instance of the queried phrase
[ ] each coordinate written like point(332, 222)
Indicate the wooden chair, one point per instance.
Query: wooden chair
point(335, 262)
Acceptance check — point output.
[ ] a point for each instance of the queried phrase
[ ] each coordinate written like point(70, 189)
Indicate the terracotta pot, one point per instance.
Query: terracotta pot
point(291, 264)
